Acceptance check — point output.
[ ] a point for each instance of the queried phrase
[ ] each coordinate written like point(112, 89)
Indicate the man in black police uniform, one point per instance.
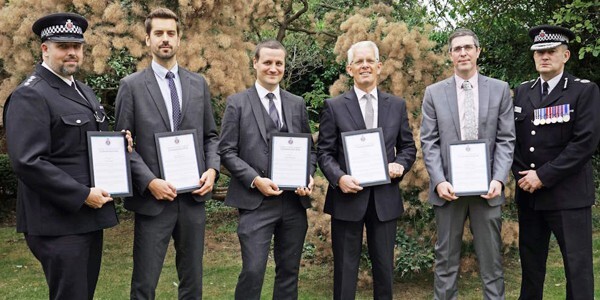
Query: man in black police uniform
point(46, 120)
point(557, 133)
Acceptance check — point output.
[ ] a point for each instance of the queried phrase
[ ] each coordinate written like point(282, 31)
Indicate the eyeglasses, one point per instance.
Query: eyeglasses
point(467, 48)
point(359, 63)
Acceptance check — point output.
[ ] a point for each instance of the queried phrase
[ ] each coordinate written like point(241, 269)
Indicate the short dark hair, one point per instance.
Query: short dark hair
point(160, 13)
point(462, 32)
point(271, 44)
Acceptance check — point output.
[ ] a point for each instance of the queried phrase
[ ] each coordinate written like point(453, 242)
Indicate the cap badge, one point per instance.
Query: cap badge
point(542, 34)
point(69, 24)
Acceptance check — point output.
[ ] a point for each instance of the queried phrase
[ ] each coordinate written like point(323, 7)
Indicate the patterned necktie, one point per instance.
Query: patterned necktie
point(470, 123)
point(545, 88)
point(369, 112)
point(273, 110)
point(174, 101)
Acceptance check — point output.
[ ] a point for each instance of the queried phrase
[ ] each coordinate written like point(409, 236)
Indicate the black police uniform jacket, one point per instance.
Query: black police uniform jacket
point(559, 152)
point(46, 123)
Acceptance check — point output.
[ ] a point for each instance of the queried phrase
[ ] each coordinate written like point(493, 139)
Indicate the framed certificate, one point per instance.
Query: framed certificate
point(289, 160)
point(366, 159)
point(178, 159)
point(109, 162)
point(469, 167)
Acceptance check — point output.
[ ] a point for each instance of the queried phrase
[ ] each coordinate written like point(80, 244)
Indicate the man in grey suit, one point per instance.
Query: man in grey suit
point(467, 106)
point(265, 211)
point(166, 98)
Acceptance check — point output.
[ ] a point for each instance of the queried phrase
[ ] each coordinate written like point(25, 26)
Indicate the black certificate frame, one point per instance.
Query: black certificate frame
point(379, 132)
point(157, 139)
point(290, 136)
point(102, 134)
point(487, 166)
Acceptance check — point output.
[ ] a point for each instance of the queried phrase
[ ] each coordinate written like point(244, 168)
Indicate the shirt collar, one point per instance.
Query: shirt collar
point(161, 71)
point(262, 92)
point(473, 81)
point(552, 83)
point(68, 80)
point(360, 93)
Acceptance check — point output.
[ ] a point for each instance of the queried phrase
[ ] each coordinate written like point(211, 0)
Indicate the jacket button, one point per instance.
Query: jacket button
point(531, 149)
point(533, 132)
point(532, 165)
point(78, 121)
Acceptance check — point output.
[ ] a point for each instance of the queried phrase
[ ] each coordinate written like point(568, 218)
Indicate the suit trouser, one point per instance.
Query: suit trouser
point(573, 231)
point(71, 263)
point(346, 240)
point(184, 220)
point(485, 224)
point(283, 219)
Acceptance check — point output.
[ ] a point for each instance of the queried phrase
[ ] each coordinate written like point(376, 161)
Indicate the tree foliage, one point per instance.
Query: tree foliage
point(213, 41)
point(583, 18)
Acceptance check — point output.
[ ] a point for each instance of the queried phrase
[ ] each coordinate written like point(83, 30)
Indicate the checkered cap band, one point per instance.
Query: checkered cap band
point(60, 29)
point(550, 37)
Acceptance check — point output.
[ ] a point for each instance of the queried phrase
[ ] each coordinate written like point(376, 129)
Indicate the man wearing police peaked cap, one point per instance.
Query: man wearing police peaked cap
point(47, 117)
point(557, 133)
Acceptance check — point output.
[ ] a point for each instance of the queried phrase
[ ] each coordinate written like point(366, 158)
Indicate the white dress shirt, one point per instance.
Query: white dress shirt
point(552, 83)
point(362, 102)
point(160, 73)
point(262, 95)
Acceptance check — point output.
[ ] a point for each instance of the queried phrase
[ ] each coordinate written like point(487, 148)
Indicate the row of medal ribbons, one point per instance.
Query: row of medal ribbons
point(552, 114)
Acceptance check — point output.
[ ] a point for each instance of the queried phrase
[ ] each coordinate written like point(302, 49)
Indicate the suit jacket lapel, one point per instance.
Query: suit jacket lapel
point(286, 106)
point(256, 106)
point(484, 101)
point(354, 109)
point(452, 100)
point(63, 88)
point(156, 95)
point(383, 105)
point(535, 95)
point(185, 92)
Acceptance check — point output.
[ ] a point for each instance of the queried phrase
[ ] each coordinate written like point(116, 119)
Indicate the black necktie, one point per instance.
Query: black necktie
point(273, 110)
point(545, 88)
point(174, 101)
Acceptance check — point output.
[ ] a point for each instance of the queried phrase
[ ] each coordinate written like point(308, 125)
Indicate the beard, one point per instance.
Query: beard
point(68, 71)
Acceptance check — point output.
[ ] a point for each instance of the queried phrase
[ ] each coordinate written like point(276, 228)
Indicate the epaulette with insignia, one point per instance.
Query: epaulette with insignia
point(32, 79)
point(526, 81)
point(582, 80)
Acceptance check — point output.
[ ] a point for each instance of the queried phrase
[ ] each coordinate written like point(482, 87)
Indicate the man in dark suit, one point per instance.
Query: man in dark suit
point(166, 98)
point(265, 211)
point(46, 120)
point(351, 206)
point(558, 129)
point(467, 106)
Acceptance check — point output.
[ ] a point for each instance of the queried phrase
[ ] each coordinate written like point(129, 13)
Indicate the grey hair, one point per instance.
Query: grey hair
point(362, 44)
point(462, 32)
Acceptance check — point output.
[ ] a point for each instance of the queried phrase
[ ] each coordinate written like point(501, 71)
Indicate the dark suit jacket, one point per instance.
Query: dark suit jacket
point(562, 152)
point(244, 145)
point(46, 123)
point(141, 109)
point(342, 114)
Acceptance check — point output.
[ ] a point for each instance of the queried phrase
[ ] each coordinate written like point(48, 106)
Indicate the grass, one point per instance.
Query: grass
point(21, 276)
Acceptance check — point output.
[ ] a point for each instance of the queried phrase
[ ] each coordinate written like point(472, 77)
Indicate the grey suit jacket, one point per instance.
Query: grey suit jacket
point(440, 127)
point(141, 108)
point(244, 145)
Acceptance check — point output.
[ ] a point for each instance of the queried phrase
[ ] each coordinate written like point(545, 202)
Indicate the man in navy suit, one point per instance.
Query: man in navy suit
point(167, 98)
point(351, 206)
point(265, 211)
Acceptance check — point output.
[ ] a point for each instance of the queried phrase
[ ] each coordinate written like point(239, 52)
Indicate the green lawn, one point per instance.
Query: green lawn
point(21, 276)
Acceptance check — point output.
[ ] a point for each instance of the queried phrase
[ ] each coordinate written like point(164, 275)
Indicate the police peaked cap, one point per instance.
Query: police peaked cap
point(61, 27)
